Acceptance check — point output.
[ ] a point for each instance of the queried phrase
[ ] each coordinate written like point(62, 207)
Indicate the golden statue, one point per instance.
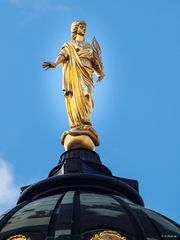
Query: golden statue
point(79, 60)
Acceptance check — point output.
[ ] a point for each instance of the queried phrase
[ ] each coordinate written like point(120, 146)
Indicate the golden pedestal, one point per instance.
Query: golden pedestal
point(80, 137)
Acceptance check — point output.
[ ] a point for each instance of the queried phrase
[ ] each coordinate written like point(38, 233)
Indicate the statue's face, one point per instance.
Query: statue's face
point(81, 29)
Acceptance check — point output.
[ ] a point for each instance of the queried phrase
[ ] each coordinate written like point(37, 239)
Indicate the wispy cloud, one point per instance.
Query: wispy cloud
point(8, 190)
point(33, 9)
point(39, 5)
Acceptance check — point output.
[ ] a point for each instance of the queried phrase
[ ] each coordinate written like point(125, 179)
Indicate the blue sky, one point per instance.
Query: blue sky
point(136, 110)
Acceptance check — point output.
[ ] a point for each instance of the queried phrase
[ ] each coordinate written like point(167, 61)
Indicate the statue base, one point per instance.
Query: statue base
point(80, 137)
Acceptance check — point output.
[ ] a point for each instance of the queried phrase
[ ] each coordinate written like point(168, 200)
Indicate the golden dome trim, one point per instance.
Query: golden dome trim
point(19, 237)
point(108, 235)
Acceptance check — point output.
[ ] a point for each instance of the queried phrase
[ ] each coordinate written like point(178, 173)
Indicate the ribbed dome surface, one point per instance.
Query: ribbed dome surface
point(82, 214)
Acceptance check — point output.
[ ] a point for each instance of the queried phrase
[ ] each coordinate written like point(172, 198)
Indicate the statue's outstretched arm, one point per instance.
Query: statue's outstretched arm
point(59, 60)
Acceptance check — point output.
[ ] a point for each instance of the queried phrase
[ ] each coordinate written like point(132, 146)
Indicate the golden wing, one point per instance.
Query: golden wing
point(97, 53)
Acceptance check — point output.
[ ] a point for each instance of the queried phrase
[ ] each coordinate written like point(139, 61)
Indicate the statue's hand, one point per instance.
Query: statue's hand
point(101, 77)
point(47, 65)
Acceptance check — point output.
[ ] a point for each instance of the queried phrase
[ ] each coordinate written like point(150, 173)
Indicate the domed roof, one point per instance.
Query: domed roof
point(81, 215)
point(81, 200)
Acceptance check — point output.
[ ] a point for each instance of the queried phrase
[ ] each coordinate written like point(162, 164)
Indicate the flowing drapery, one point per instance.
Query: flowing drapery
point(78, 88)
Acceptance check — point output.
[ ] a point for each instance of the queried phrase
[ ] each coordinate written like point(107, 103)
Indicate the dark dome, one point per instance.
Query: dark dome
point(79, 205)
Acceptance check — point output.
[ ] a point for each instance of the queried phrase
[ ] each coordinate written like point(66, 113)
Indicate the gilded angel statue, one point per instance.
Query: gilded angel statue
point(80, 60)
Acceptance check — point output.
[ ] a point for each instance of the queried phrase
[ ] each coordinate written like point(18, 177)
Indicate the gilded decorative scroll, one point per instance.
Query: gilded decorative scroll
point(108, 235)
point(19, 237)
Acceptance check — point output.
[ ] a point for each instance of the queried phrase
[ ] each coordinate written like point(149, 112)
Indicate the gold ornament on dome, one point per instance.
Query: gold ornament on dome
point(19, 237)
point(79, 60)
point(108, 235)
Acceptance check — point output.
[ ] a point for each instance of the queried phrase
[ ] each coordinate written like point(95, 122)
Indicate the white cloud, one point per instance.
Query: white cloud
point(48, 6)
point(15, 2)
point(31, 10)
point(39, 5)
point(8, 191)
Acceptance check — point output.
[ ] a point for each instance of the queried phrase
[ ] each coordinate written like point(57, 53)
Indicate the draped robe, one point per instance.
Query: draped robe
point(78, 83)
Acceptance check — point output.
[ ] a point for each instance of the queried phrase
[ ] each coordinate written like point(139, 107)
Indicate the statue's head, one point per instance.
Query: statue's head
point(78, 27)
